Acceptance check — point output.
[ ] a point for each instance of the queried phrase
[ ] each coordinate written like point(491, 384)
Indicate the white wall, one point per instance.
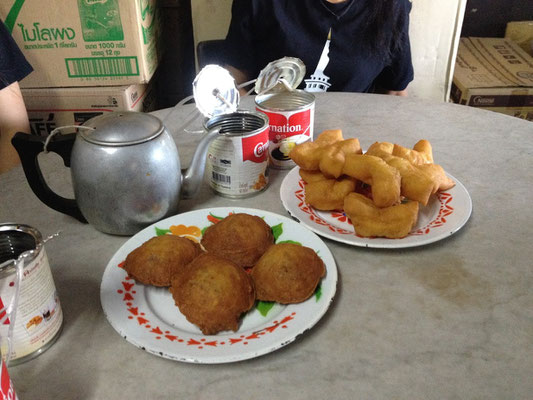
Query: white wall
point(210, 19)
point(434, 31)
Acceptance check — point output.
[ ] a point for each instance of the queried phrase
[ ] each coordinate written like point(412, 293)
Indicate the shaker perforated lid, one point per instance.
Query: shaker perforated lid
point(280, 75)
point(215, 92)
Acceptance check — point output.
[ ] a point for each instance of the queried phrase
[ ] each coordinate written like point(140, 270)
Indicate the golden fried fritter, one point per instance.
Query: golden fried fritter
point(368, 220)
point(334, 156)
point(213, 293)
point(419, 181)
point(161, 257)
point(384, 179)
point(329, 136)
point(380, 147)
point(287, 273)
point(422, 152)
point(311, 176)
point(241, 238)
point(329, 194)
point(327, 153)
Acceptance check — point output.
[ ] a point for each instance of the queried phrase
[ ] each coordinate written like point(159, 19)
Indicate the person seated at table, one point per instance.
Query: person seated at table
point(346, 45)
point(13, 114)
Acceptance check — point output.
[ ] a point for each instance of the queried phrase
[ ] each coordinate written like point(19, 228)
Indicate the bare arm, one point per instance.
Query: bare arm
point(239, 76)
point(13, 118)
point(397, 93)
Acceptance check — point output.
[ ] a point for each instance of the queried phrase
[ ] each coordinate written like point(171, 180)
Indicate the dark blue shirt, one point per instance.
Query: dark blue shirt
point(13, 65)
point(265, 30)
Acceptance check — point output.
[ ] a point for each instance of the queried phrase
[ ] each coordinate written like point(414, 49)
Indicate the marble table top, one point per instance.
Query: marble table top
point(448, 320)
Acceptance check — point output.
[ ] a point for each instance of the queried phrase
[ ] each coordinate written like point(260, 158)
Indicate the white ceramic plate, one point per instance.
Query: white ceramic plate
point(147, 317)
point(445, 214)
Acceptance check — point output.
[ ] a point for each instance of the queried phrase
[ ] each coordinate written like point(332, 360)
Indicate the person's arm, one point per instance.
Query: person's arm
point(240, 76)
point(395, 77)
point(402, 93)
point(13, 119)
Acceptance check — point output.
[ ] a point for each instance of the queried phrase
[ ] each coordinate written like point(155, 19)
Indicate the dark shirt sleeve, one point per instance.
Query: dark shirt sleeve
point(399, 71)
point(13, 65)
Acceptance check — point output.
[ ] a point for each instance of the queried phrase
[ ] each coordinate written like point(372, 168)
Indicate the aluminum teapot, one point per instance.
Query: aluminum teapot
point(125, 169)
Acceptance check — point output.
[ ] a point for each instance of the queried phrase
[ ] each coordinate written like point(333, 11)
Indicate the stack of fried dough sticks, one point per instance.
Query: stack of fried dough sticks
point(380, 191)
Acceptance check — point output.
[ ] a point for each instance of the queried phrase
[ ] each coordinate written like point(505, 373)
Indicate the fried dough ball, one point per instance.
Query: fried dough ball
point(287, 273)
point(157, 260)
point(213, 293)
point(329, 194)
point(384, 179)
point(370, 221)
point(241, 238)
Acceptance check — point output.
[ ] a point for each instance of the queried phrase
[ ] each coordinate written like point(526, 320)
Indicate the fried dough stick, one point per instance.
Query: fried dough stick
point(312, 176)
point(384, 180)
point(327, 153)
point(329, 194)
point(422, 153)
point(370, 221)
point(418, 182)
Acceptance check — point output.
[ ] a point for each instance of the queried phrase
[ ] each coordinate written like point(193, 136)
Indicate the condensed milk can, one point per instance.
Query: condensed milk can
point(30, 312)
point(237, 160)
point(290, 111)
point(7, 390)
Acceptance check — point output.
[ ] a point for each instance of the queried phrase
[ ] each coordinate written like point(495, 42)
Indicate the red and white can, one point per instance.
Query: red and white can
point(237, 160)
point(291, 117)
point(38, 317)
point(7, 391)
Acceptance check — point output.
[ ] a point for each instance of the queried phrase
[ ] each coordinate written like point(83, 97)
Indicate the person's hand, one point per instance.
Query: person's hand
point(397, 92)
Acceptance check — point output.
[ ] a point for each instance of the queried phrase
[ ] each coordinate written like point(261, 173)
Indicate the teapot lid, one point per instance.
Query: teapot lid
point(121, 128)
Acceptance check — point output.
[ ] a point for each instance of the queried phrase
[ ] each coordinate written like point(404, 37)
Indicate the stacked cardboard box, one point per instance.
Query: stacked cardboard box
point(49, 108)
point(89, 57)
point(494, 74)
point(521, 32)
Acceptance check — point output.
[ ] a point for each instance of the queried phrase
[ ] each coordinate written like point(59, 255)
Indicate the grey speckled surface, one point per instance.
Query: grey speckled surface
point(450, 320)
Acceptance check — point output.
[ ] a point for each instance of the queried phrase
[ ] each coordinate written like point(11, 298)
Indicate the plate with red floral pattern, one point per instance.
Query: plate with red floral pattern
point(445, 214)
point(147, 317)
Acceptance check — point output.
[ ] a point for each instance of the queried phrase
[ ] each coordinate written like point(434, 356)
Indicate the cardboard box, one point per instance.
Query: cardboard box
point(84, 42)
point(521, 32)
point(494, 74)
point(49, 108)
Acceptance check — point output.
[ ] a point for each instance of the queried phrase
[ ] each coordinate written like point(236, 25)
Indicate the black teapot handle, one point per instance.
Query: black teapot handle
point(28, 148)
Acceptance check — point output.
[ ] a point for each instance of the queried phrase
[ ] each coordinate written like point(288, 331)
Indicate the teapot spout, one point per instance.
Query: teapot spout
point(193, 176)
